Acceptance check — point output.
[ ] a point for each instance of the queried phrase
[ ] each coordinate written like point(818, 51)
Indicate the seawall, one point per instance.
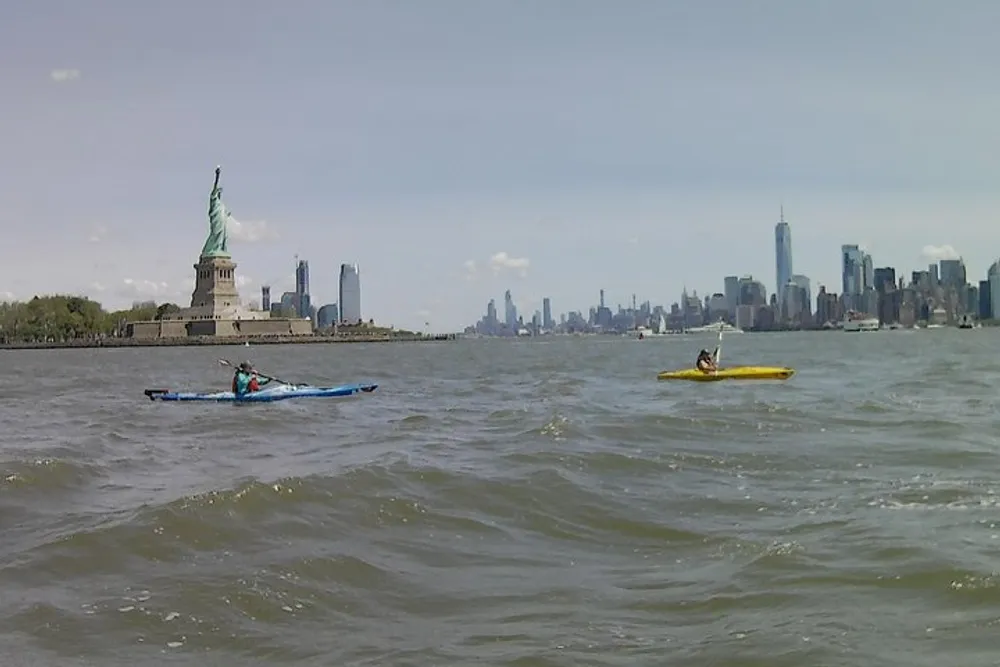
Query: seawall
point(218, 340)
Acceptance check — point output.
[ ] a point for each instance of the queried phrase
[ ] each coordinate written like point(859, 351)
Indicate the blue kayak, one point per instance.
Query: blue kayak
point(279, 392)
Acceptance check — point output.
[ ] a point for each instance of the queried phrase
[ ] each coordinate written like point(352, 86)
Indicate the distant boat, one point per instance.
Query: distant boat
point(645, 332)
point(855, 321)
point(967, 322)
point(714, 328)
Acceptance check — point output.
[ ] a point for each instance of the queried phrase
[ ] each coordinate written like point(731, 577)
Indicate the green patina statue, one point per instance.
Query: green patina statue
point(217, 243)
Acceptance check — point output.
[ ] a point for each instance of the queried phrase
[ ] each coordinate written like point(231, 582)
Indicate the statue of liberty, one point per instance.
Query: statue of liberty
point(217, 243)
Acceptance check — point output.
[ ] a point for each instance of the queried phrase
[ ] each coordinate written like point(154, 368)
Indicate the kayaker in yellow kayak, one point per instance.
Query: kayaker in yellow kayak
point(706, 361)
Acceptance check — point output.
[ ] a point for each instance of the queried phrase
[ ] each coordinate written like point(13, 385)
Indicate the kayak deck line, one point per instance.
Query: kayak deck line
point(267, 395)
point(734, 373)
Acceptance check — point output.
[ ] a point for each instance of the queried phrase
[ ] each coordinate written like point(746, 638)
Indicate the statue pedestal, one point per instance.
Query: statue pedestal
point(215, 293)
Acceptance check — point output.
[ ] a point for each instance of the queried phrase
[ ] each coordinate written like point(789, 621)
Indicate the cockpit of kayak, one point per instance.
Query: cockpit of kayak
point(276, 392)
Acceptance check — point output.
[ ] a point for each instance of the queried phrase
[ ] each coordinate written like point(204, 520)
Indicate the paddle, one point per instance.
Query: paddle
point(718, 346)
point(226, 362)
point(718, 349)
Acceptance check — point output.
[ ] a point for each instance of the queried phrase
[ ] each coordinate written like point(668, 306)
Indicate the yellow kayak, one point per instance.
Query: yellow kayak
point(735, 373)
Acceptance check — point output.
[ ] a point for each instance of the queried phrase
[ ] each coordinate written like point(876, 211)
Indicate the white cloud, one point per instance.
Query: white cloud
point(6, 296)
point(98, 233)
point(501, 262)
point(935, 253)
point(146, 289)
point(61, 75)
point(251, 231)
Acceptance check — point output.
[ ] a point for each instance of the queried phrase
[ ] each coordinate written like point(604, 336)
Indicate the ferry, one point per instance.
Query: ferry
point(855, 321)
point(714, 328)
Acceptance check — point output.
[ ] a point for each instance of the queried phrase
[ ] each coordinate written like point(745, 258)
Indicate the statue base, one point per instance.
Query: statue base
point(215, 293)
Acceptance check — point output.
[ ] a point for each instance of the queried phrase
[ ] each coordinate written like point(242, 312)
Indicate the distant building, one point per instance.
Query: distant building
point(993, 277)
point(732, 292)
point(288, 304)
point(327, 316)
point(350, 294)
point(782, 256)
point(303, 306)
point(953, 273)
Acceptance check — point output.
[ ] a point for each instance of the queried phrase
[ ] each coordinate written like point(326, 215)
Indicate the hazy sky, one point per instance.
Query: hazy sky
point(631, 145)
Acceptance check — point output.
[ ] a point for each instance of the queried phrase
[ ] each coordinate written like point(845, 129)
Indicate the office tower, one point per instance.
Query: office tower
point(806, 285)
point(510, 311)
point(852, 270)
point(265, 298)
point(327, 316)
point(350, 294)
point(288, 304)
point(782, 256)
point(732, 292)
point(953, 273)
point(303, 306)
point(547, 322)
point(884, 279)
point(993, 279)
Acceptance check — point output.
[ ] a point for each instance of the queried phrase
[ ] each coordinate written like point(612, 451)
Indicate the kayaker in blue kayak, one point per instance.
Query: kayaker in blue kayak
point(706, 361)
point(246, 380)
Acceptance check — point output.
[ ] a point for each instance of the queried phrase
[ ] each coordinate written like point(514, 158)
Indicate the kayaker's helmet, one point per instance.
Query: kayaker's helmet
point(704, 353)
point(245, 366)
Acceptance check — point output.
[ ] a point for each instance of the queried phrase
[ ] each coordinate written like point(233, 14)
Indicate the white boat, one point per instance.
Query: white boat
point(855, 321)
point(714, 328)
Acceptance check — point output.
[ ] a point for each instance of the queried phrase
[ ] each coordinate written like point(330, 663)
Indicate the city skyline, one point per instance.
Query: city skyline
point(941, 291)
point(452, 169)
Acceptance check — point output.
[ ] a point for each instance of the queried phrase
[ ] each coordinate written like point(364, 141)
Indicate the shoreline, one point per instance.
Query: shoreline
point(189, 341)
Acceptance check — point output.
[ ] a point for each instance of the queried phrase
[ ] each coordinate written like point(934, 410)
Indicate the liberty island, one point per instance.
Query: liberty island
point(216, 315)
point(216, 310)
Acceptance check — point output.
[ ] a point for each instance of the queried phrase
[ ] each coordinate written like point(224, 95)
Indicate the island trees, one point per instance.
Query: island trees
point(67, 317)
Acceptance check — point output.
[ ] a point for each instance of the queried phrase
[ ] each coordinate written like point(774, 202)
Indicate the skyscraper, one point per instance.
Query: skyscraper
point(547, 322)
point(953, 273)
point(852, 270)
point(732, 291)
point(510, 311)
point(782, 256)
point(303, 307)
point(350, 294)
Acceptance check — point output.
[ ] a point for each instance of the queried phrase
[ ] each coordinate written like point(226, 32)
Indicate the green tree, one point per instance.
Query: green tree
point(68, 317)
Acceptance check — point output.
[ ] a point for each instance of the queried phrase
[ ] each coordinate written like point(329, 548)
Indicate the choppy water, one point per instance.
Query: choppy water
point(520, 503)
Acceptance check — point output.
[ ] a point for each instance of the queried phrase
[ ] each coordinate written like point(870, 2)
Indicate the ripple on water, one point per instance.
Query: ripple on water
point(542, 504)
